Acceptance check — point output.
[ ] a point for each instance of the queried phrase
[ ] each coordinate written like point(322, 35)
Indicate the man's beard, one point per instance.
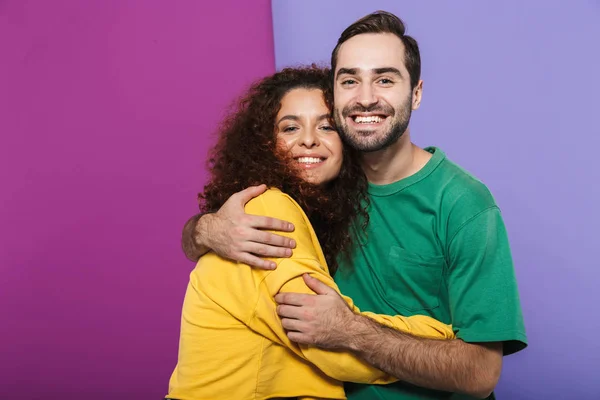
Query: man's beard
point(368, 140)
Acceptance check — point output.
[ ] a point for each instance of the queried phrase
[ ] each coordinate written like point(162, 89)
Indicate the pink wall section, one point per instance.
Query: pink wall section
point(106, 111)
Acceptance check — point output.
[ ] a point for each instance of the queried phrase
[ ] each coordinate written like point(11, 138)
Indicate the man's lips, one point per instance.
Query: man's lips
point(367, 120)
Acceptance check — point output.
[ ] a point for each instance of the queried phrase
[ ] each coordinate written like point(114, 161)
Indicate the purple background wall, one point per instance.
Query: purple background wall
point(106, 108)
point(512, 93)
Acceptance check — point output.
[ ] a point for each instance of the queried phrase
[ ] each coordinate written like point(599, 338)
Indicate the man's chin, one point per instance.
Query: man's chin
point(368, 133)
point(368, 142)
point(366, 136)
point(381, 130)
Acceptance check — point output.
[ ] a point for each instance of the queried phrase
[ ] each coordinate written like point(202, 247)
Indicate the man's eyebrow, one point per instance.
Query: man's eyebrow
point(376, 71)
point(387, 70)
point(346, 71)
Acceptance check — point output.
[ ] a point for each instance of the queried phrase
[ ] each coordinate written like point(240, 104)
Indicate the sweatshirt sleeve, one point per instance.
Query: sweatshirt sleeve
point(343, 366)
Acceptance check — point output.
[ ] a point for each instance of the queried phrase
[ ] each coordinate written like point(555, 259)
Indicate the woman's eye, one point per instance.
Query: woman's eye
point(327, 128)
point(290, 129)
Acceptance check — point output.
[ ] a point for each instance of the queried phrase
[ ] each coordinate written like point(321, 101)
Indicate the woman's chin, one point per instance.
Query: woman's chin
point(312, 178)
point(316, 179)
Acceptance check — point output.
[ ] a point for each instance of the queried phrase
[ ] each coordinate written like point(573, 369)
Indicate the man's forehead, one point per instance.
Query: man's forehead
point(367, 52)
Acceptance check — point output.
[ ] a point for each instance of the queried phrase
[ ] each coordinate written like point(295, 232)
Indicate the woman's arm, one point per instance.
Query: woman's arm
point(340, 365)
point(308, 259)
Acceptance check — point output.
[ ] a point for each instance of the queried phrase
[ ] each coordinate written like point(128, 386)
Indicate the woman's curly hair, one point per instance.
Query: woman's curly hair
point(246, 154)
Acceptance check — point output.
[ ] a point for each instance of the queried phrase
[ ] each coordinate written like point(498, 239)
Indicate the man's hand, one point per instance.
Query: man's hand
point(319, 319)
point(233, 234)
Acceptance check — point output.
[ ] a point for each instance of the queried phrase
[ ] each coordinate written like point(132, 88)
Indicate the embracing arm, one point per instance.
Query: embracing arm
point(340, 365)
point(450, 365)
point(288, 277)
point(235, 235)
point(407, 348)
point(191, 237)
point(485, 312)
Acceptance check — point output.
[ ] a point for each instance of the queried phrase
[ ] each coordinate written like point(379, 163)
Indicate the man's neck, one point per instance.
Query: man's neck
point(398, 161)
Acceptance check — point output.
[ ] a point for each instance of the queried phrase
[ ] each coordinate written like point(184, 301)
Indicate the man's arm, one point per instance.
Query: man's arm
point(449, 365)
point(235, 235)
point(325, 320)
point(485, 312)
point(191, 238)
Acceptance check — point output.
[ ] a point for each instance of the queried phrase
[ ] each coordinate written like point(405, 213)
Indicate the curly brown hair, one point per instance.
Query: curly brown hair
point(246, 154)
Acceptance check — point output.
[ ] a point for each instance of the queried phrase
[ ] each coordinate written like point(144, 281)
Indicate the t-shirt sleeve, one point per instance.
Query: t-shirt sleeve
point(483, 293)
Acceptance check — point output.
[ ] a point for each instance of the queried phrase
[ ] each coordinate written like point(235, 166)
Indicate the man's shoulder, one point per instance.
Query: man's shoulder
point(461, 195)
point(461, 188)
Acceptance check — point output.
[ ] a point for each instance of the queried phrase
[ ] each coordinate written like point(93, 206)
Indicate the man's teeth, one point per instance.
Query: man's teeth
point(372, 119)
point(309, 160)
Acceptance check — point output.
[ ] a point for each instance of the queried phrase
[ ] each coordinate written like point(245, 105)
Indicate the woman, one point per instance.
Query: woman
point(232, 345)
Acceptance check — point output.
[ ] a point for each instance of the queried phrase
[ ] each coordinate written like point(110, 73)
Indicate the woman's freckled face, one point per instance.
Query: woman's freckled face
point(303, 127)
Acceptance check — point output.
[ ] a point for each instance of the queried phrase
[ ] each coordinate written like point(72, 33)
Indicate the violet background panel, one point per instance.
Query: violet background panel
point(511, 93)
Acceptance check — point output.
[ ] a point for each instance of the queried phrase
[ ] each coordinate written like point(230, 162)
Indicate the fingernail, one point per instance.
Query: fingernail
point(290, 227)
point(293, 244)
point(288, 252)
point(272, 265)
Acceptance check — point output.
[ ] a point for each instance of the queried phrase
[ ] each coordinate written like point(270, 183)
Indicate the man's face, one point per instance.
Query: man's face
point(373, 99)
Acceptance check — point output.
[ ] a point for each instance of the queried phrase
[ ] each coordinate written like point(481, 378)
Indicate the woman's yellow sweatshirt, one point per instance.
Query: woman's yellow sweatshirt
point(232, 344)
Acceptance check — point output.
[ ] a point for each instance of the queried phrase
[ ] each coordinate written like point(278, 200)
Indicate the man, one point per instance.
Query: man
point(436, 243)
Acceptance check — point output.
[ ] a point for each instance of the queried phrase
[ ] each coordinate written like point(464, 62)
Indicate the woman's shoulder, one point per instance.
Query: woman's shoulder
point(274, 203)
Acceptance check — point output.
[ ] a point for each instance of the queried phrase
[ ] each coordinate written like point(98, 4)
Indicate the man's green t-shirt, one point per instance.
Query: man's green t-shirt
point(435, 245)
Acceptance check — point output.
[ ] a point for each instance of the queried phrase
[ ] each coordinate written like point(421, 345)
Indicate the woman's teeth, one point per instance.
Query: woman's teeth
point(372, 119)
point(309, 160)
